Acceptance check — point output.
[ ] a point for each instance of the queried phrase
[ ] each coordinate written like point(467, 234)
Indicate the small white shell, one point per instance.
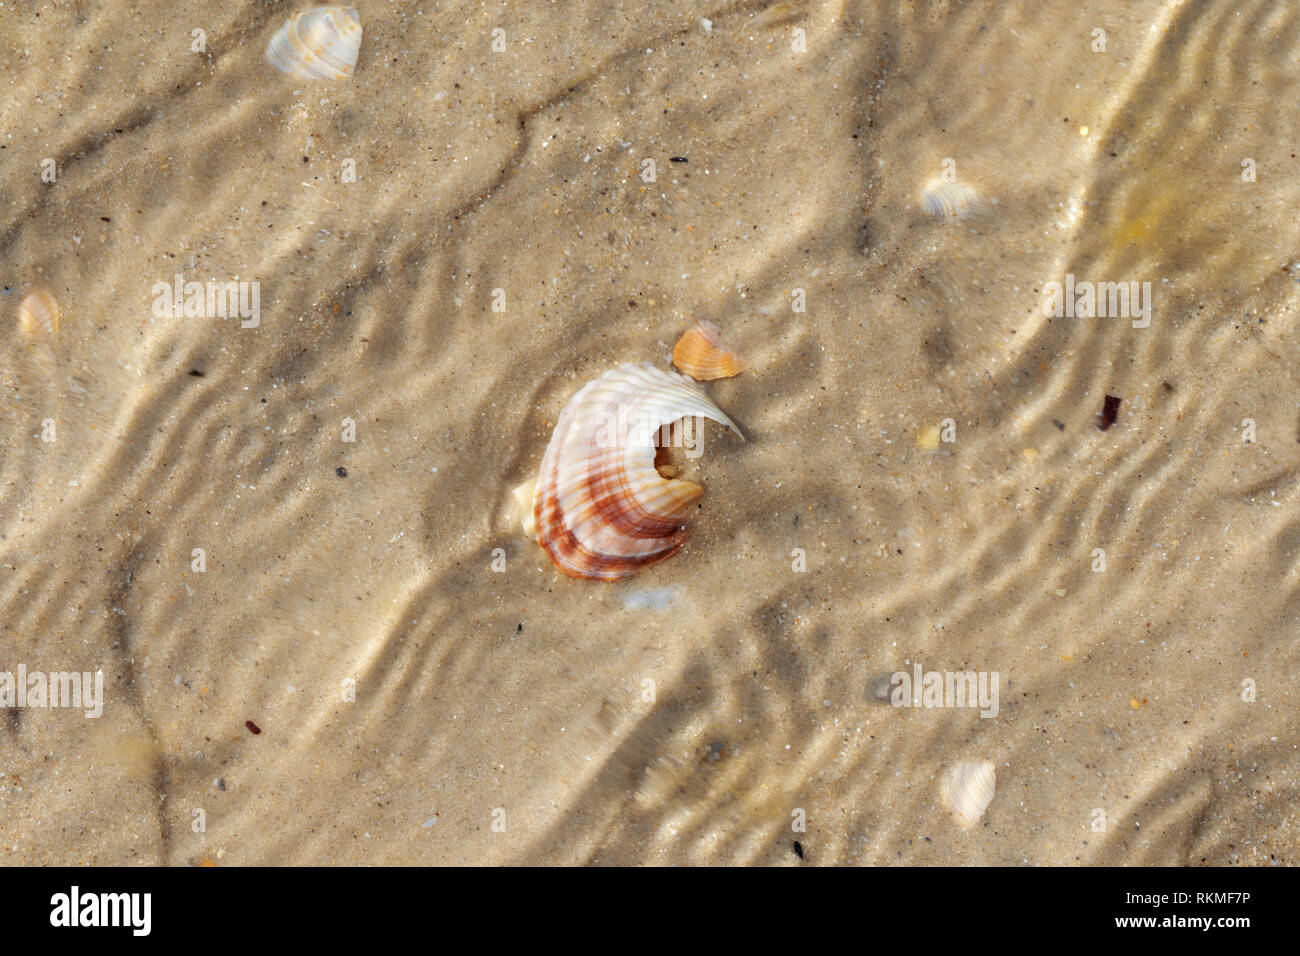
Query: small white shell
point(318, 44)
point(38, 315)
point(968, 790)
point(523, 499)
point(948, 201)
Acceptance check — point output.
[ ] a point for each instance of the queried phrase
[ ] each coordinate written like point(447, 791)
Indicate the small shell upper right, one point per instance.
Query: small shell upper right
point(318, 44)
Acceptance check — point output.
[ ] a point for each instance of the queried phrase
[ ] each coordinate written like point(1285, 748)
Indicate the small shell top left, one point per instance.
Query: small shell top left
point(38, 315)
point(318, 44)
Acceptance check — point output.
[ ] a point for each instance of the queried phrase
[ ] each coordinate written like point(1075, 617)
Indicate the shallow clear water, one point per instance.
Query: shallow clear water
point(497, 247)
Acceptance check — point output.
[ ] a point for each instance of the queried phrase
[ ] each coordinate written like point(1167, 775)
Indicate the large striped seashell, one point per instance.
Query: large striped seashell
point(38, 315)
point(318, 44)
point(600, 507)
point(968, 791)
point(699, 353)
point(949, 201)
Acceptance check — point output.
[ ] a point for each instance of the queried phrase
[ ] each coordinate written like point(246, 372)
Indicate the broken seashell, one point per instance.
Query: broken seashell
point(38, 315)
point(968, 790)
point(928, 438)
point(776, 15)
point(949, 201)
point(523, 498)
point(700, 355)
point(601, 509)
point(318, 44)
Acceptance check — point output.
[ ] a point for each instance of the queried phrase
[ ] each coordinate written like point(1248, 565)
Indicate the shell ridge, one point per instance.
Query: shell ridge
point(318, 44)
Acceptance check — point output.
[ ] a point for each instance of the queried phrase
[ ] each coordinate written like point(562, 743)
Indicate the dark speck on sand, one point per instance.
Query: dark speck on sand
point(1109, 412)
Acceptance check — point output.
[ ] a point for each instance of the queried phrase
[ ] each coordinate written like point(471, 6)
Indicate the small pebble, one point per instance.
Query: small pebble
point(881, 687)
point(1109, 412)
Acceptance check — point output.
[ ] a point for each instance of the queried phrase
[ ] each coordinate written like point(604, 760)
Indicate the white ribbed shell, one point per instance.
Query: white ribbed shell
point(949, 201)
point(318, 44)
point(968, 791)
point(38, 314)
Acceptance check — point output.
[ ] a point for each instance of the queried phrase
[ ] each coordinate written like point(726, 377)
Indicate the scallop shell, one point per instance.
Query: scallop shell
point(949, 201)
point(700, 355)
point(968, 791)
point(38, 315)
point(601, 509)
point(318, 44)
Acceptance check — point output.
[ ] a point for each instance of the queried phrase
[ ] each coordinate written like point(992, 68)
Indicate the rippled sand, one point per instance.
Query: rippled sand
point(520, 698)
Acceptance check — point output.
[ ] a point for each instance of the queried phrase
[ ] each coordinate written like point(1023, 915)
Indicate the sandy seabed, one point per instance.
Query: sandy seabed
point(449, 244)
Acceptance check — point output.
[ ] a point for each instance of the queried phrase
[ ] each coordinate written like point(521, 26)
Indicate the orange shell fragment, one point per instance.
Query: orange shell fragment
point(700, 354)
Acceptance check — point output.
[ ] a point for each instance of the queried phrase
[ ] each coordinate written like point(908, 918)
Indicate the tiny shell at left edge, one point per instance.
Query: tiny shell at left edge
point(38, 315)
